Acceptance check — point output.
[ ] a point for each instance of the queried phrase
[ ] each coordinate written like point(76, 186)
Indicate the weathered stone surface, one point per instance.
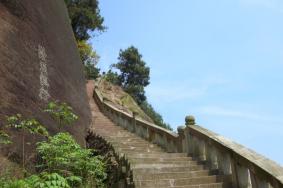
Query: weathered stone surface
point(39, 62)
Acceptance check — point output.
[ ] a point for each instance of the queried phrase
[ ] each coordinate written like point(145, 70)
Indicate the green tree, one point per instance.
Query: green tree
point(62, 113)
point(87, 54)
point(112, 77)
point(30, 126)
point(90, 59)
point(91, 72)
point(134, 74)
point(85, 16)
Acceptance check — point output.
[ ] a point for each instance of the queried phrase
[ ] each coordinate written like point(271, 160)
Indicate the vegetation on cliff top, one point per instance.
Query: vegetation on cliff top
point(85, 17)
point(115, 95)
point(133, 76)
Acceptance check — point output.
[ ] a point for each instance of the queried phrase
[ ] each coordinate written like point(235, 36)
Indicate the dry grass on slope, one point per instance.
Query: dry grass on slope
point(120, 99)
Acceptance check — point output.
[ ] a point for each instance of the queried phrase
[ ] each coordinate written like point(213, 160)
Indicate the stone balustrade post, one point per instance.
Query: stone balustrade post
point(190, 120)
point(224, 163)
point(244, 178)
point(212, 158)
point(103, 106)
point(182, 144)
point(134, 121)
point(201, 150)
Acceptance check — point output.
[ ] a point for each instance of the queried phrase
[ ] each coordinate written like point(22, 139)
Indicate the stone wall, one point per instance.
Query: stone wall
point(39, 62)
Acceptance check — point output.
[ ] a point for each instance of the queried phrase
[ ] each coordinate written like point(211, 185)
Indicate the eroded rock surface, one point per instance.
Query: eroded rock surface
point(39, 62)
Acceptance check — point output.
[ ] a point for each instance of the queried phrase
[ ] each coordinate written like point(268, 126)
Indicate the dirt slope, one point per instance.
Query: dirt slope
point(122, 100)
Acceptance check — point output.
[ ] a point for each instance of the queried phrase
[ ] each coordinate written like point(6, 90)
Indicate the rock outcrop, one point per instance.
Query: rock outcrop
point(39, 62)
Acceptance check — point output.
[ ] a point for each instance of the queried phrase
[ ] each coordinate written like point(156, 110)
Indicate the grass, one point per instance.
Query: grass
point(120, 99)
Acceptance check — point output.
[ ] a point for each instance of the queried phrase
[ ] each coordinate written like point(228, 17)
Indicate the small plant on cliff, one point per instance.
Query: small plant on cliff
point(61, 154)
point(62, 113)
point(4, 138)
point(30, 126)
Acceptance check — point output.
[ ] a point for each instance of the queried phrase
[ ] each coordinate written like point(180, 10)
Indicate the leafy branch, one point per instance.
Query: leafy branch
point(62, 113)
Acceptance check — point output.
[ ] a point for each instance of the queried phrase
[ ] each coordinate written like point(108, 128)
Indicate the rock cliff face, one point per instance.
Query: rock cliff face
point(39, 62)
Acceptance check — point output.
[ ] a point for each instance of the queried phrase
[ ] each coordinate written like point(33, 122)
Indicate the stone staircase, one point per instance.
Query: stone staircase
point(151, 166)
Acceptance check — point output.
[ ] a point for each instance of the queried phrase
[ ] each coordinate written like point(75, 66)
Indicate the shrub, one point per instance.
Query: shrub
point(61, 154)
point(61, 112)
point(4, 138)
point(43, 180)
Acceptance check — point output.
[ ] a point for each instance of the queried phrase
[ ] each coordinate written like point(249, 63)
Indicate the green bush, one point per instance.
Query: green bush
point(43, 180)
point(65, 163)
point(61, 154)
point(9, 183)
point(46, 180)
point(62, 113)
point(4, 138)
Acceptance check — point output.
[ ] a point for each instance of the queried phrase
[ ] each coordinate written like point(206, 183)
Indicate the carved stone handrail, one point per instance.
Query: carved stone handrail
point(247, 168)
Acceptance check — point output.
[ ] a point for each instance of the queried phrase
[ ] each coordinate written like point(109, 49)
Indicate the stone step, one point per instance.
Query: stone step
point(124, 138)
point(160, 159)
point(163, 162)
point(135, 144)
point(157, 168)
point(179, 182)
point(161, 155)
point(137, 150)
point(168, 175)
point(211, 185)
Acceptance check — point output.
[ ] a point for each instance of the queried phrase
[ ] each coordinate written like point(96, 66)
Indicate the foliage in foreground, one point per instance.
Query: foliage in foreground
point(43, 180)
point(64, 163)
point(61, 154)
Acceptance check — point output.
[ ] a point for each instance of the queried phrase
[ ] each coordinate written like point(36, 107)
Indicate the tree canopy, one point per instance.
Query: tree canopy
point(134, 74)
point(85, 16)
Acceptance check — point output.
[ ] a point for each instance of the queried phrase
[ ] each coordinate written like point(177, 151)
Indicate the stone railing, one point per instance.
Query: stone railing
point(247, 168)
point(168, 140)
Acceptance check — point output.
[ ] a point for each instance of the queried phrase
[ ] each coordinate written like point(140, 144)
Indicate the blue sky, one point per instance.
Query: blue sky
point(221, 61)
